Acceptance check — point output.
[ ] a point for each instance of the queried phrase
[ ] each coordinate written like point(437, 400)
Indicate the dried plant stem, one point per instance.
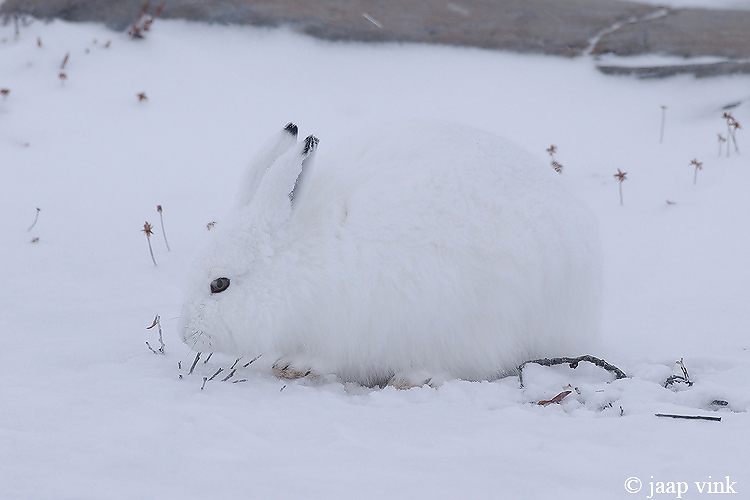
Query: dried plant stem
point(151, 250)
point(698, 166)
point(621, 176)
point(573, 362)
point(729, 135)
point(147, 228)
point(161, 219)
point(663, 121)
point(161, 338)
point(35, 218)
point(251, 361)
point(197, 358)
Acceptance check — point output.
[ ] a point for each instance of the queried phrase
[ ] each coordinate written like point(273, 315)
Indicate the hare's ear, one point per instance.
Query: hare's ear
point(273, 149)
point(283, 181)
point(308, 150)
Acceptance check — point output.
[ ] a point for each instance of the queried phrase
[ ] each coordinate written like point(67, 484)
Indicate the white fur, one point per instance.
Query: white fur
point(419, 249)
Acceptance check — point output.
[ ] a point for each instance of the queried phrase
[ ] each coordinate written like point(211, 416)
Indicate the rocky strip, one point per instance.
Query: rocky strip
point(570, 28)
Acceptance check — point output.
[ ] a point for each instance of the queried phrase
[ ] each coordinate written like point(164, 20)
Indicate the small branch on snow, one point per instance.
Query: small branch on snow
point(251, 361)
point(679, 379)
point(215, 373)
point(573, 362)
point(689, 417)
point(161, 339)
point(197, 358)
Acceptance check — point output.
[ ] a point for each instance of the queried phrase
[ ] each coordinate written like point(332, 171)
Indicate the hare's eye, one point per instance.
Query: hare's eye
point(219, 285)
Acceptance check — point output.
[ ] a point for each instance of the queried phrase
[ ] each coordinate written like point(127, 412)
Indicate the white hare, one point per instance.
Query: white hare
point(418, 252)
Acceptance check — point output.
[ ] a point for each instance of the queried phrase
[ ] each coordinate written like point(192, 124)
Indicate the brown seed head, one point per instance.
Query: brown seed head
point(697, 164)
point(620, 175)
point(147, 228)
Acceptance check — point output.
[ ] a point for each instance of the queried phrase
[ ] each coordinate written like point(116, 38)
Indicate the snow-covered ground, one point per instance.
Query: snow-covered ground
point(87, 412)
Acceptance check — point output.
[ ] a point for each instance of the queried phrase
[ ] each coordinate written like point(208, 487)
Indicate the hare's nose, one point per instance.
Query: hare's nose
point(219, 285)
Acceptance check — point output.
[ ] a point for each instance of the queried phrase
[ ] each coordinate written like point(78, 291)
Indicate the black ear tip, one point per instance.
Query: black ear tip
point(311, 142)
point(291, 128)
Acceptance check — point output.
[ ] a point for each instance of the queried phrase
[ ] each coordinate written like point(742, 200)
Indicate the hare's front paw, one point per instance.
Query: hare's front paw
point(284, 368)
point(403, 380)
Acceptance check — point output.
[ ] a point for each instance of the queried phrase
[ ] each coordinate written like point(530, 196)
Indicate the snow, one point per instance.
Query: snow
point(89, 413)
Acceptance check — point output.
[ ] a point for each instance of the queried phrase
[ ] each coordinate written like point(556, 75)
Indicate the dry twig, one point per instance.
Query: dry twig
point(689, 417)
point(192, 367)
point(573, 362)
point(161, 338)
point(679, 379)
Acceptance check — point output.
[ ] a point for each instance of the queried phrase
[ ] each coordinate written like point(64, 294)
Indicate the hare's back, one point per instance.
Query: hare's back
point(436, 181)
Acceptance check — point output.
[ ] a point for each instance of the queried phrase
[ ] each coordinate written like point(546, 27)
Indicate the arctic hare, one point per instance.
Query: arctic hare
point(419, 252)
